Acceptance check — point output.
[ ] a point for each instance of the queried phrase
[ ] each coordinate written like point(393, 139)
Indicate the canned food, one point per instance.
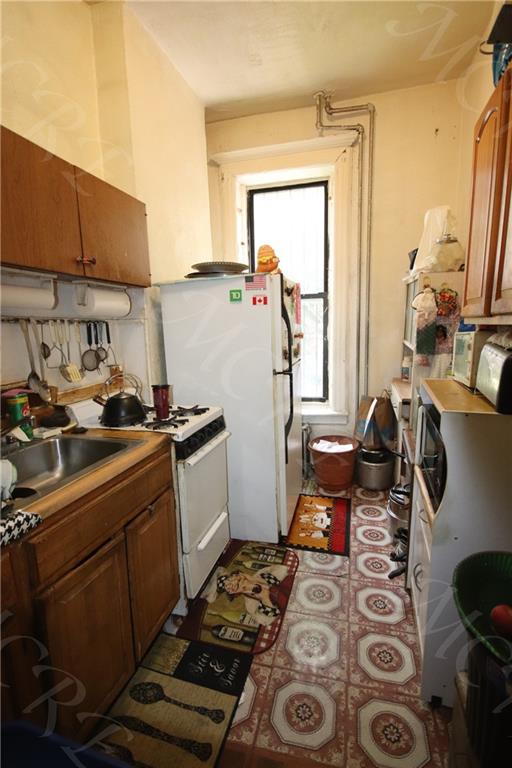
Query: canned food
point(18, 408)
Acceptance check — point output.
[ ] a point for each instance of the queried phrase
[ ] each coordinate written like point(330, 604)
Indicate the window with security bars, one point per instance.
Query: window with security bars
point(293, 220)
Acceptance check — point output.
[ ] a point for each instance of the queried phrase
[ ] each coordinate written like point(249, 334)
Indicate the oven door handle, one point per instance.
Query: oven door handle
point(211, 533)
point(208, 448)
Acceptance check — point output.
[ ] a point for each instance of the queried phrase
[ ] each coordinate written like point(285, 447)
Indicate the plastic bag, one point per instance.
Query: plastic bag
point(433, 256)
point(379, 431)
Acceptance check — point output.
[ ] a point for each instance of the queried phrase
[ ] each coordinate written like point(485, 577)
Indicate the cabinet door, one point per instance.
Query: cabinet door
point(502, 288)
point(88, 632)
point(114, 232)
point(153, 569)
point(488, 169)
point(40, 227)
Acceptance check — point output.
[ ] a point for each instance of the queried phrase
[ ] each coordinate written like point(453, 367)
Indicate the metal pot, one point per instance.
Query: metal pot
point(398, 508)
point(399, 499)
point(123, 409)
point(375, 469)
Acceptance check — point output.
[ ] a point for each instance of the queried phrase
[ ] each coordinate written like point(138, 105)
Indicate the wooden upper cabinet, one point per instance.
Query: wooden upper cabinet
point(88, 634)
point(40, 227)
point(153, 569)
point(502, 287)
point(114, 232)
point(488, 171)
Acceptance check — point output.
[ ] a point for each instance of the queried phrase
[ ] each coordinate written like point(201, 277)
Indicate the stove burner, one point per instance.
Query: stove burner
point(163, 423)
point(194, 410)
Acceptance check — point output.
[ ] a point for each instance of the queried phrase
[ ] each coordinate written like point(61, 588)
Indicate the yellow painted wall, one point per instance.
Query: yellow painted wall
point(49, 79)
point(112, 93)
point(169, 153)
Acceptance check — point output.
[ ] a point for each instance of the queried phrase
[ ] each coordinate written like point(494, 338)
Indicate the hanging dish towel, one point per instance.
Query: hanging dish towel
point(15, 524)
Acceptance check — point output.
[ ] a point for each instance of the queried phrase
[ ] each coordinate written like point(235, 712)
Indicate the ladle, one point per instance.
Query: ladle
point(45, 393)
point(33, 380)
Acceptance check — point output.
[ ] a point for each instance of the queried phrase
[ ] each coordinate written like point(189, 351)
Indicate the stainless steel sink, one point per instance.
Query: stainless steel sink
point(50, 464)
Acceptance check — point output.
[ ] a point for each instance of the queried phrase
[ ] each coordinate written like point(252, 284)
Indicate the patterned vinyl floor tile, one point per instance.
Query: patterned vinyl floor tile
point(248, 714)
point(368, 497)
point(389, 732)
point(382, 606)
point(304, 717)
point(267, 657)
point(318, 596)
point(373, 537)
point(369, 514)
point(313, 645)
point(371, 565)
point(383, 661)
point(323, 563)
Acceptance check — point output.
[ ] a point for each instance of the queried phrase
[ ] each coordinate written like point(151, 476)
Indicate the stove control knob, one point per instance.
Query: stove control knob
point(202, 437)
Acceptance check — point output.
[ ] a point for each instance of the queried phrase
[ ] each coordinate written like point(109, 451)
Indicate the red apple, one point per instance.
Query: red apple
point(501, 617)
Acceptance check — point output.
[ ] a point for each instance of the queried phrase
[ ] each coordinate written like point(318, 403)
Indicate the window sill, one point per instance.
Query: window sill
point(322, 413)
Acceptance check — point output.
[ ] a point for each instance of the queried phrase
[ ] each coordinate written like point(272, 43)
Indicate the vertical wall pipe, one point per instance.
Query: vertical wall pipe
point(323, 103)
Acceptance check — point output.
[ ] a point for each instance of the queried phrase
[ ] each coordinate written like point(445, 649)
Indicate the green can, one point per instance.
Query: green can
point(18, 408)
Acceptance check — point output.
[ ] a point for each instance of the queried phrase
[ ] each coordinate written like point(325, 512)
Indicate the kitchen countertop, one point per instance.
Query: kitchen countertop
point(450, 396)
point(402, 388)
point(150, 443)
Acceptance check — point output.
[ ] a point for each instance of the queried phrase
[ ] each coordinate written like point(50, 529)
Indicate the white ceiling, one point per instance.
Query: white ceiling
point(249, 57)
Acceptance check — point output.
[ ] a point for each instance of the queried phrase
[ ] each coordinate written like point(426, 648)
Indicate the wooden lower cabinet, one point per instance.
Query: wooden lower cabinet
point(87, 624)
point(153, 569)
point(87, 593)
point(21, 653)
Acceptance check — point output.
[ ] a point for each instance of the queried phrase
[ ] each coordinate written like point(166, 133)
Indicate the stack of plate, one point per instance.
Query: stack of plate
point(217, 269)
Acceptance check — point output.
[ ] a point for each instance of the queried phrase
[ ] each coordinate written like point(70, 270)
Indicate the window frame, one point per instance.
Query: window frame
point(323, 295)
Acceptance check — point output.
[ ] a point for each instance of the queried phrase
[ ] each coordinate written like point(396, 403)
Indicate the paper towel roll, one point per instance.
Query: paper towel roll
point(103, 304)
point(26, 297)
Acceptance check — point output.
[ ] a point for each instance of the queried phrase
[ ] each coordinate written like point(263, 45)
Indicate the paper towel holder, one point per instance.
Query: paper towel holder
point(82, 286)
point(46, 279)
point(47, 285)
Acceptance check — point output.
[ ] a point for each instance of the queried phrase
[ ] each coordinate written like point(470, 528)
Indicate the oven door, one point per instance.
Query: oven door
point(198, 563)
point(203, 499)
point(203, 490)
point(431, 456)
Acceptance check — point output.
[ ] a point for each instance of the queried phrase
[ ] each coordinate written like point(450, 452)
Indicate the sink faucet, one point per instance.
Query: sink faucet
point(6, 433)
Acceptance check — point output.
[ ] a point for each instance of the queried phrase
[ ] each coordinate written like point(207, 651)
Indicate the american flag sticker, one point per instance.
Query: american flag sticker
point(259, 300)
point(255, 282)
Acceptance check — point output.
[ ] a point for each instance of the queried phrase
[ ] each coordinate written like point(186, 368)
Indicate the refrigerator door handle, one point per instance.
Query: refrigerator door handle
point(288, 372)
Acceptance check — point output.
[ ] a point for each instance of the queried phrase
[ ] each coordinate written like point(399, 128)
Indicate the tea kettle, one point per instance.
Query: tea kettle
point(124, 409)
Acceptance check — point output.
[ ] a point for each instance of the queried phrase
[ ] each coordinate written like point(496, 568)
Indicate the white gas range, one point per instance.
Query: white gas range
point(199, 463)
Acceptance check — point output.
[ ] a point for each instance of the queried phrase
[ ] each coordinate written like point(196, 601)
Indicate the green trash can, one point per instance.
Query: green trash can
point(480, 582)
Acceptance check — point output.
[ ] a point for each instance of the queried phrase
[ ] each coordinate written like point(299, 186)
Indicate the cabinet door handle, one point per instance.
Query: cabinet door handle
point(85, 260)
point(151, 509)
point(484, 123)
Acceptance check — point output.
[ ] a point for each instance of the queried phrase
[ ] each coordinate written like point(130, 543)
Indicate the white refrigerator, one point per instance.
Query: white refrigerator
point(235, 342)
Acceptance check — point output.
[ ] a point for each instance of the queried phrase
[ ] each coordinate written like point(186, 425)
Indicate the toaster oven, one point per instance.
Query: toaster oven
point(467, 348)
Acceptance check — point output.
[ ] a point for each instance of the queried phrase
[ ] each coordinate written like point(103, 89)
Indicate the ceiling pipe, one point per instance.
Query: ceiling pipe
point(323, 104)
